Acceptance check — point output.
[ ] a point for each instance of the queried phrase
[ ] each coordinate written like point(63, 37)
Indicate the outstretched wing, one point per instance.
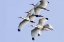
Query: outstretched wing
point(24, 22)
point(34, 32)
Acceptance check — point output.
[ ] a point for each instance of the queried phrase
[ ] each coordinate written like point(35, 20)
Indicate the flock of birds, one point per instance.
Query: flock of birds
point(32, 15)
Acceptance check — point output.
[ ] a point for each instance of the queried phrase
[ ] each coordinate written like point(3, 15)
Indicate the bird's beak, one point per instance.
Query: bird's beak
point(26, 12)
point(20, 17)
point(32, 4)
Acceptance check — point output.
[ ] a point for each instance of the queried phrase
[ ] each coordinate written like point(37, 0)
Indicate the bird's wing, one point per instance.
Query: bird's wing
point(37, 4)
point(41, 22)
point(40, 32)
point(24, 22)
point(44, 3)
point(48, 26)
point(34, 32)
point(30, 12)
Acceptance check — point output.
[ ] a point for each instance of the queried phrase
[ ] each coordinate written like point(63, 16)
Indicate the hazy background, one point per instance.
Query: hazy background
point(10, 10)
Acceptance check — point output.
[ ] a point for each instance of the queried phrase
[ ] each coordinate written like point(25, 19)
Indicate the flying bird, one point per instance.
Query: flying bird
point(42, 4)
point(38, 27)
point(26, 20)
point(38, 31)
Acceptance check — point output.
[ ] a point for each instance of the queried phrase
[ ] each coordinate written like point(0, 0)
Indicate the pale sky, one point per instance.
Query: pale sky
point(10, 10)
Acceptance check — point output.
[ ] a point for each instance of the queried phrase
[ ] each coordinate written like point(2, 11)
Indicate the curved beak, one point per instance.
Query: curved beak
point(32, 4)
point(19, 17)
point(26, 12)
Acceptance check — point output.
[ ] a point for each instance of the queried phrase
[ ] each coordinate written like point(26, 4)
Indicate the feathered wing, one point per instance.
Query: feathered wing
point(37, 4)
point(34, 32)
point(42, 22)
point(48, 26)
point(43, 3)
point(37, 10)
point(30, 12)
point(40, 32)
point(24, 22)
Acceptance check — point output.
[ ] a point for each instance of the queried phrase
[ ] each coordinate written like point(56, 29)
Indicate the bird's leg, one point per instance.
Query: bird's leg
point(32, 25)
point(46, 9)
point(45, 29)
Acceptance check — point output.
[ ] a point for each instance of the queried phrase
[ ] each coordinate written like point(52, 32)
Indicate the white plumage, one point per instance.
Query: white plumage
point(38, 27)
point(26, 19)
point(46, 26)
point(39, 31)
point(42, 4)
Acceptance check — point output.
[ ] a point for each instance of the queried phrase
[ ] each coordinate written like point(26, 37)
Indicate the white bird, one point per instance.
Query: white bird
point(38, 27)
point(35, 12)
point(26, 20)
point(30, 17)
point(41, 4)
point(39, 31)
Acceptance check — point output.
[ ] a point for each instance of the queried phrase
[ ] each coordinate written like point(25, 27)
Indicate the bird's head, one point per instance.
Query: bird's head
point(20, 17)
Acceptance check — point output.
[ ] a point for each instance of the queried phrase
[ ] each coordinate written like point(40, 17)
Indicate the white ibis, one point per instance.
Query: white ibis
point(26, 20)
point(38, 27)
point(41, 4)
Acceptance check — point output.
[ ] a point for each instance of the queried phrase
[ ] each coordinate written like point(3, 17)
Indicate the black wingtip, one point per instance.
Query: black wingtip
point(46, 18)
point(32, 21)
point(38, 15)
point(18, 30)
point(33, 39)
point(38, 34)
